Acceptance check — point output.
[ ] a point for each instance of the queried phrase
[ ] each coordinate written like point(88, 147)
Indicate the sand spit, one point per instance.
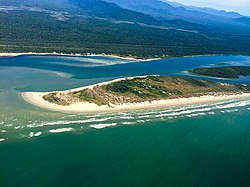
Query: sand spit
point(36, 98)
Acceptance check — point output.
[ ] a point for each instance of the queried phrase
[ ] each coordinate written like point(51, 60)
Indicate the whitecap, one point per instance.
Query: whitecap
point(233, 105)
point(188, 110)
point(146, 116)
point(140, 121)
point(31, 134)
point(126, 117)
point(61, 130)
point(194, 115)
point(202, 114)
point(184, 112)
point(128, 123)
point(38, 134)
point(68, 122)
point(2, 139)
point(101, 126)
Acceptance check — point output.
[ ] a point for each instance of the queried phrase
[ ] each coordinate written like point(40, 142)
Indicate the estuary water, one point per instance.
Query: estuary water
point(193, 145)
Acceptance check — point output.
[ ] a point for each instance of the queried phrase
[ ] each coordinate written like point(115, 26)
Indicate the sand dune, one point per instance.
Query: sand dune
point(36, 98)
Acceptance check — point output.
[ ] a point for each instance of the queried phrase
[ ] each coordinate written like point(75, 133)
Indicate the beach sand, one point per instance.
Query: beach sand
point(77, 55)
point(28, 53)
point(36, 98)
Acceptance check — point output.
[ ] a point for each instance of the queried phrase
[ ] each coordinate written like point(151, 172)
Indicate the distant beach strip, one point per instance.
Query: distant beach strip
point(132, 58)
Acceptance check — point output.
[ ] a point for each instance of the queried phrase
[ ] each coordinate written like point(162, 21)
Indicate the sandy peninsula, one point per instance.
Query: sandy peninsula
point(36, 98)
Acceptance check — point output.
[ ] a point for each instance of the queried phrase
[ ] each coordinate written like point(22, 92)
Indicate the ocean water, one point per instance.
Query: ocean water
point(193, 145)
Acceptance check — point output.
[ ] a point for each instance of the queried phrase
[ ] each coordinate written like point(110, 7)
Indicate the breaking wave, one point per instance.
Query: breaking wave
point(101, 126)
point(61, 130)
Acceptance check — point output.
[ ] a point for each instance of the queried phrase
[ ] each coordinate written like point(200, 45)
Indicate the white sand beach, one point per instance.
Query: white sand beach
point(36, 98)
point(28, 53)
point(77, 55)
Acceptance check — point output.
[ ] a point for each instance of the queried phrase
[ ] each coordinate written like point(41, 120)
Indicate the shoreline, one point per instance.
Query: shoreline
point(78, 55)
point(36, 98)
point(132, 58)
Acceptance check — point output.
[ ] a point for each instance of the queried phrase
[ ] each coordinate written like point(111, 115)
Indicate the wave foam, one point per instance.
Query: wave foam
point(128, 123)
point(140, 121)
point(184, 112)
point(38, 134)
point(126, 117)
point(101, 126)
point(61, 130)
point(68, 122)
point(31, 134)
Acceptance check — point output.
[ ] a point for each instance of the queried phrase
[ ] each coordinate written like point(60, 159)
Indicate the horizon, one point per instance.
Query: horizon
point(242, 6)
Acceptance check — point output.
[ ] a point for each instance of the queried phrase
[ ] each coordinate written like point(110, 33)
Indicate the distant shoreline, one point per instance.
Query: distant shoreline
point(133, 58)
point(79, 55)
point(36, 98)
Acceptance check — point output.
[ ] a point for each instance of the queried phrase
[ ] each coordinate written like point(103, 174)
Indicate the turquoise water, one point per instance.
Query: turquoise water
point(194, 145)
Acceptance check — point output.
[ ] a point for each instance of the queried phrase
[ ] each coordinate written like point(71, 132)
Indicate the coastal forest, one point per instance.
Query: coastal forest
point(92, 26)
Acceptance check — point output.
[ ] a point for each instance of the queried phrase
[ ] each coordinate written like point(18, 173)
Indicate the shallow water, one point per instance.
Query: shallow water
point(194, 145)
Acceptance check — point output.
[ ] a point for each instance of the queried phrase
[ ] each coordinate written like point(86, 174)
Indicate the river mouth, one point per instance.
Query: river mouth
point(193, 145)
point(46, 73)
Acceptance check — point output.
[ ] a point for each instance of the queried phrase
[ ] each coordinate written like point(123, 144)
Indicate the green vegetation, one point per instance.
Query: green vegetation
point(39, 32)
point(52, 97)
point(90, 96)
point(148, 88)
point(232, 72)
